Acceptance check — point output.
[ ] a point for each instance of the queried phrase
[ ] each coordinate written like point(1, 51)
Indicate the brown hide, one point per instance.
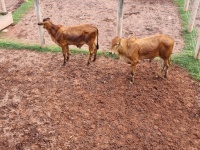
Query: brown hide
point(72, 35)
point(133, 49)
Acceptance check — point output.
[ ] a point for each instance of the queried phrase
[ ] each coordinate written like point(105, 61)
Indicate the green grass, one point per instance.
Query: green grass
point(186, 59)
point(21, 46)
point(22, 10)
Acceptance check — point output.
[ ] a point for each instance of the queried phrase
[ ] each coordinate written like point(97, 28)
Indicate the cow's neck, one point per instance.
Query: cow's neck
point(123, 49)
point(54, 29)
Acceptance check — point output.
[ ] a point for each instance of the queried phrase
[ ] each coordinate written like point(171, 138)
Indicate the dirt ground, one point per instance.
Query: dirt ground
point(47, 106)
point(141, 18)
point(44, 105)
point(12, 5)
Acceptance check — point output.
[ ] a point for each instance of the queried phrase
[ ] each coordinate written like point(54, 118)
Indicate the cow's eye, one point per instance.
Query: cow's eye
point(117, 44)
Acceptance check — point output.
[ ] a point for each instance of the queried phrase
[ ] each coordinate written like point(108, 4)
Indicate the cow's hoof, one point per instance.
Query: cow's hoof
point(132, 81)
point(159, 75)
point(165, 77)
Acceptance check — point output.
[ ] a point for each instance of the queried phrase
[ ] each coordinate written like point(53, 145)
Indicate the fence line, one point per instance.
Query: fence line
point(164, 20)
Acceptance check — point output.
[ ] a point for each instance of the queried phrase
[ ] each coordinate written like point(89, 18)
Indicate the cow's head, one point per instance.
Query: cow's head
point(46, 23)
point(116, 45)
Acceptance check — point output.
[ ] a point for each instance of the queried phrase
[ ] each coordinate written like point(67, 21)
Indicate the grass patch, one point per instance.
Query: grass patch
point(22, 10)
point(186, 58)
point(21, 46)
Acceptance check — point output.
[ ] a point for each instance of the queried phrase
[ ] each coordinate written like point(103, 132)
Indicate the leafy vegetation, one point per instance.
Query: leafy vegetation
point(22, 10)
point(21, 46)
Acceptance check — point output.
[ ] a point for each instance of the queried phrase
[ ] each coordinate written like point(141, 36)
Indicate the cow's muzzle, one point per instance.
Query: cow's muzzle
point(111, 52)
point(40, 23)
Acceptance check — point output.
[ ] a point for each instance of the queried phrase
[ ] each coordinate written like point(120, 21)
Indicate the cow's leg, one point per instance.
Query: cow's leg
point(162, 67)
point(95, 53)
point(91, 50)
point(133, 70)
point(166, 67)
point(67, 50)
point(64, 51)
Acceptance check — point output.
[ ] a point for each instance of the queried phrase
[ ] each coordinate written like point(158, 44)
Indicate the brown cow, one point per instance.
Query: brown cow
point(133, 50)
point(72, 35)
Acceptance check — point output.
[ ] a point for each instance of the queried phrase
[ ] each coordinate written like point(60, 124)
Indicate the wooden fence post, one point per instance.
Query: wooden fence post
point(3, 5)
point(39, 19)
point(120, 17)
point(197, 49)
point(193, 15)
point(186, 5)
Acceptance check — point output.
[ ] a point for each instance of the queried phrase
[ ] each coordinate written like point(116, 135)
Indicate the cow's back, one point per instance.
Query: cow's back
point(154, 46)
point(149, 46)
point(155, 42)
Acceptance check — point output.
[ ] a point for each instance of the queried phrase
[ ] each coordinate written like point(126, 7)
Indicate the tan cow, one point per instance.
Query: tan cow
point(134, 49)
point(72, 35)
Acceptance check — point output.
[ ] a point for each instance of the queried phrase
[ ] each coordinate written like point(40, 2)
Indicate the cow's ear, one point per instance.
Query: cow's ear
point(117, 43)
point(45, 19)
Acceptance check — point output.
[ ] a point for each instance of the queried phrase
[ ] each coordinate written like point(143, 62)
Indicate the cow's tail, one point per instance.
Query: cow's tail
point(97, 46)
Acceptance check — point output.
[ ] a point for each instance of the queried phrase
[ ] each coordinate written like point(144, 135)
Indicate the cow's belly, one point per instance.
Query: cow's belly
point(148, 54)
point(78, 40)
point(78, 44)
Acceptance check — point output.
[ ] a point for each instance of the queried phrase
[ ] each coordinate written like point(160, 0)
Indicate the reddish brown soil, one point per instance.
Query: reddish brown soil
point(44, 105)
point(12, 5)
